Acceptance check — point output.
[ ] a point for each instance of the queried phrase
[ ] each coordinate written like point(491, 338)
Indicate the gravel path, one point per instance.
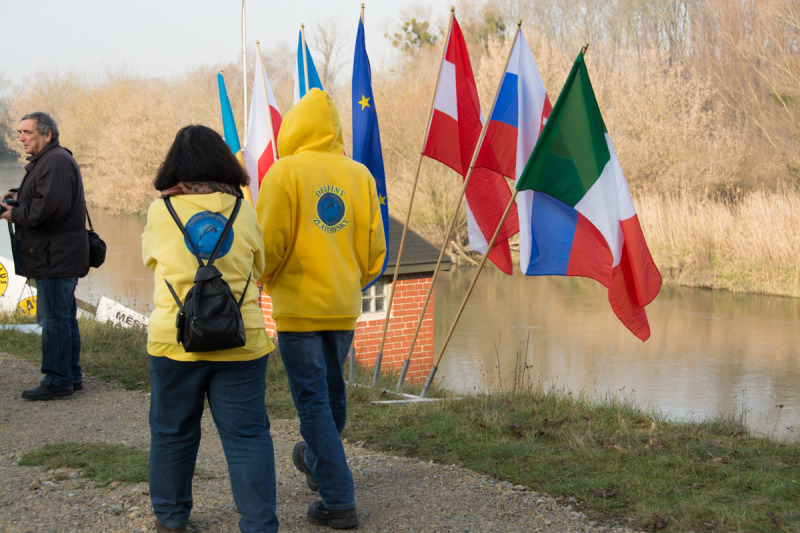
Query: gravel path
point(393, 494)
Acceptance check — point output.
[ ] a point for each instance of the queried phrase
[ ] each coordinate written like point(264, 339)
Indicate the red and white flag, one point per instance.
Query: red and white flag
point(454, 129)
point(259, 153)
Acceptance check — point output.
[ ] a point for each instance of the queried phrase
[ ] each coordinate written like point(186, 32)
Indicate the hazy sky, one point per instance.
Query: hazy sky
point(169, 37)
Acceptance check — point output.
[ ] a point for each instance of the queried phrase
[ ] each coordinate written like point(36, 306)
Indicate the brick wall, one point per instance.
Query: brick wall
point(406, 306)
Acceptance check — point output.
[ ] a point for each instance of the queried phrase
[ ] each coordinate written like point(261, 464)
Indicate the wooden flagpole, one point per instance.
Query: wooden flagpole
point(466, 297)
point(260, 70)
point(377, 373)
point(407, 362)
point(244, 73)
point(305, 60)
point(362, 13)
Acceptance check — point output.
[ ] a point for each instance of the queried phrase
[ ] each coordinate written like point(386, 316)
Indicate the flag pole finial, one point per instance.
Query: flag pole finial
point(452, 9)
point(585, 47)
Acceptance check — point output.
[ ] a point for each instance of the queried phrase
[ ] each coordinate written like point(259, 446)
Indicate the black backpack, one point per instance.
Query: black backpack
point(210, 318)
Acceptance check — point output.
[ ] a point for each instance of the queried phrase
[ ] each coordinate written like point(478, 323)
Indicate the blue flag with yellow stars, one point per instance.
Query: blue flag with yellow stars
point(366, 135)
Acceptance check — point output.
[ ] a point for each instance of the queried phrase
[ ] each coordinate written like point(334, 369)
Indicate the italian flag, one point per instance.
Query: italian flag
point(583, 222)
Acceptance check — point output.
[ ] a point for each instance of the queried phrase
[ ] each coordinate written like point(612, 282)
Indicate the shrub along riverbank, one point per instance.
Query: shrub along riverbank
point(621, 464)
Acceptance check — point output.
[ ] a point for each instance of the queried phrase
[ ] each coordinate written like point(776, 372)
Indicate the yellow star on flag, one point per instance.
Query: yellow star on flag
point(382, 199)
point(364, 101)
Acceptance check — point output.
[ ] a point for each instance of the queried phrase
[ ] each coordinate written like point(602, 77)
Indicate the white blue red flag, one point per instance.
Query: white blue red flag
point(519, 114)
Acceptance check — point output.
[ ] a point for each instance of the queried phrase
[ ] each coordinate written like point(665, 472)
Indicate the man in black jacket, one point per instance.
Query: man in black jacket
point(52, 248)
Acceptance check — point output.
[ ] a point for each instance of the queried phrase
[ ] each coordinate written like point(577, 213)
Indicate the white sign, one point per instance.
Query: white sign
point(12, 287)
point(110, 311)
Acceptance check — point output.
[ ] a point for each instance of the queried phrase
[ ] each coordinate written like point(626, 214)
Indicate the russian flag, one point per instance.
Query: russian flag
point(518, 117)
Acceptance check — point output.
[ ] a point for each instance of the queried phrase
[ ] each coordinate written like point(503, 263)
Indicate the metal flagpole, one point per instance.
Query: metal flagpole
point(466, 297)
point(244, 72)
point(260, 70)
point(407, 362)
point(377, 373)
point(305, 60)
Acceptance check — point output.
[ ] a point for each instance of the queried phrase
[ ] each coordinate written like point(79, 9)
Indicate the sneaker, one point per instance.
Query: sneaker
point(46, 391)
point(320, 515)
point(299, 460)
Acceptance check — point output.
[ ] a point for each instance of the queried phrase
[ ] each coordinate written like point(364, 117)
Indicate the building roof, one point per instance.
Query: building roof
point(419, 255)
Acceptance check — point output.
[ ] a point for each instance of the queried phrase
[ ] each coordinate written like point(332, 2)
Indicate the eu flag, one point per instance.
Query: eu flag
point(366, 135)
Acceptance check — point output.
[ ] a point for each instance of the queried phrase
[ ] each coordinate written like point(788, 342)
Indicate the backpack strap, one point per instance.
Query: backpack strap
point(225, 231)
point(183, 230)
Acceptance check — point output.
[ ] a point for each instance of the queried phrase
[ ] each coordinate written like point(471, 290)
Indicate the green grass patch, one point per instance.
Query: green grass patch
point(102, 463)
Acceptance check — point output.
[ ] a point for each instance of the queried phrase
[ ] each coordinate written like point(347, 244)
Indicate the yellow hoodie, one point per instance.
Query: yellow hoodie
point(323, 233)
point(164, 251)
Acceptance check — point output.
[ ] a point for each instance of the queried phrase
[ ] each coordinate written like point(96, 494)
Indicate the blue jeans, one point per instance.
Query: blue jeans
point(56, 313)
point(235, 393)
point(313, 362)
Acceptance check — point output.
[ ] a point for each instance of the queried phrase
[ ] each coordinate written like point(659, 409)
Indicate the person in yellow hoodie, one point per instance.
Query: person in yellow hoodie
point(323, 243)
point(204, 179)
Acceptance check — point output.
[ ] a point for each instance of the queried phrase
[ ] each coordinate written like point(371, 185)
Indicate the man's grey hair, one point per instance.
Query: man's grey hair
point(44, 124)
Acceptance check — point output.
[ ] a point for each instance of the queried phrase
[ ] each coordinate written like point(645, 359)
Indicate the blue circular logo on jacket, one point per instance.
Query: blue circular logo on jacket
point(204, 229)
point(330, 208)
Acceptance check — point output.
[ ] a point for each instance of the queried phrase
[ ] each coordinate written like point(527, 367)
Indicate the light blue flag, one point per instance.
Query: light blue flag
point(300, 88)
point(366, 134)
point(228, 123)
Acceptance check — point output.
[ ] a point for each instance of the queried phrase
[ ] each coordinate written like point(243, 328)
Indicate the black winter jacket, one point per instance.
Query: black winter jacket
point(51, 239)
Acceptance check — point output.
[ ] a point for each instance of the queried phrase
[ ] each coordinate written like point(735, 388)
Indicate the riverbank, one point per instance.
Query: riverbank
point(393, 494)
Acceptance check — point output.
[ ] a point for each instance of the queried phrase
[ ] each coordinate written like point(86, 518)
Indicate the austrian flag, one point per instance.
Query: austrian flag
point(453, 132)
point(582, 219)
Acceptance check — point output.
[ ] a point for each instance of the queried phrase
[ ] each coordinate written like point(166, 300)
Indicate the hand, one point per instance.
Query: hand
point(9, 194)
point(6, 214)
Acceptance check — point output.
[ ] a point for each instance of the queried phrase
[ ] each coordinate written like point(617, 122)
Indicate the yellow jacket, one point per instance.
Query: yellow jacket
point(323, 233)
point(165, 252)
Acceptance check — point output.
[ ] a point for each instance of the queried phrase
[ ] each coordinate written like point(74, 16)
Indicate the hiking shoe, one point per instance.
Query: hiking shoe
point(299, 460)
point(46, 391)
point(320, 515)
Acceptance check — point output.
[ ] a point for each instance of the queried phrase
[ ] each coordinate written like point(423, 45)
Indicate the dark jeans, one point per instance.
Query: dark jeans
point(313, 363)
point(235, 392)
point(56, 313)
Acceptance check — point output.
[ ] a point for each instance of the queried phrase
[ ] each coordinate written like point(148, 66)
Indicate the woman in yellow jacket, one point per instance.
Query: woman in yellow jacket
point(203, 180)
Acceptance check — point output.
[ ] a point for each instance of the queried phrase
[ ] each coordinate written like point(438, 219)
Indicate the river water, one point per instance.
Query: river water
point(710, 353)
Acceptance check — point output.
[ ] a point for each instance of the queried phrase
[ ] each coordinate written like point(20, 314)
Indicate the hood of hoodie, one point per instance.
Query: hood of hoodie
point(311, 125)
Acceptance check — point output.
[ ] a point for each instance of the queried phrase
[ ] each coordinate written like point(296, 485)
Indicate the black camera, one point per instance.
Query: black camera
point(9, 202)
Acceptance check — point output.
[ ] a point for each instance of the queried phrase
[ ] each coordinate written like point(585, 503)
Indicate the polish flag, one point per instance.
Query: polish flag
point(260, 150)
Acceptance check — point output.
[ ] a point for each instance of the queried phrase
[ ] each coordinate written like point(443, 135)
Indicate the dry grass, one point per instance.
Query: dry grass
point(752, 245)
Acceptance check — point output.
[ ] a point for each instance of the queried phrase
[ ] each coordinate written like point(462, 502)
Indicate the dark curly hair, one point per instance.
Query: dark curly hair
point(199, 154)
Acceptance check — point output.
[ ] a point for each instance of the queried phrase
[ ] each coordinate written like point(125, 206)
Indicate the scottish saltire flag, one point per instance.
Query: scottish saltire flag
point(265, 122)
point(583, 222)
point(366, 134)
point(453, 131)
point(300, 88)
point(519, 114)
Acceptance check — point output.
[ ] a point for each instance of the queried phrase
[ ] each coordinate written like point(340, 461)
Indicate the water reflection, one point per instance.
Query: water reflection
point(710, 353)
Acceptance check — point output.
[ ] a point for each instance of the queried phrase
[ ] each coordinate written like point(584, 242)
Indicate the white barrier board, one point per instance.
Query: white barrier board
point(11, 286)
point(110, 311)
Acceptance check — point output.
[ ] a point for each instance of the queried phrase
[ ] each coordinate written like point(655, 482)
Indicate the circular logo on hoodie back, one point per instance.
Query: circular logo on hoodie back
point(204, 229)
point(330, 209)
